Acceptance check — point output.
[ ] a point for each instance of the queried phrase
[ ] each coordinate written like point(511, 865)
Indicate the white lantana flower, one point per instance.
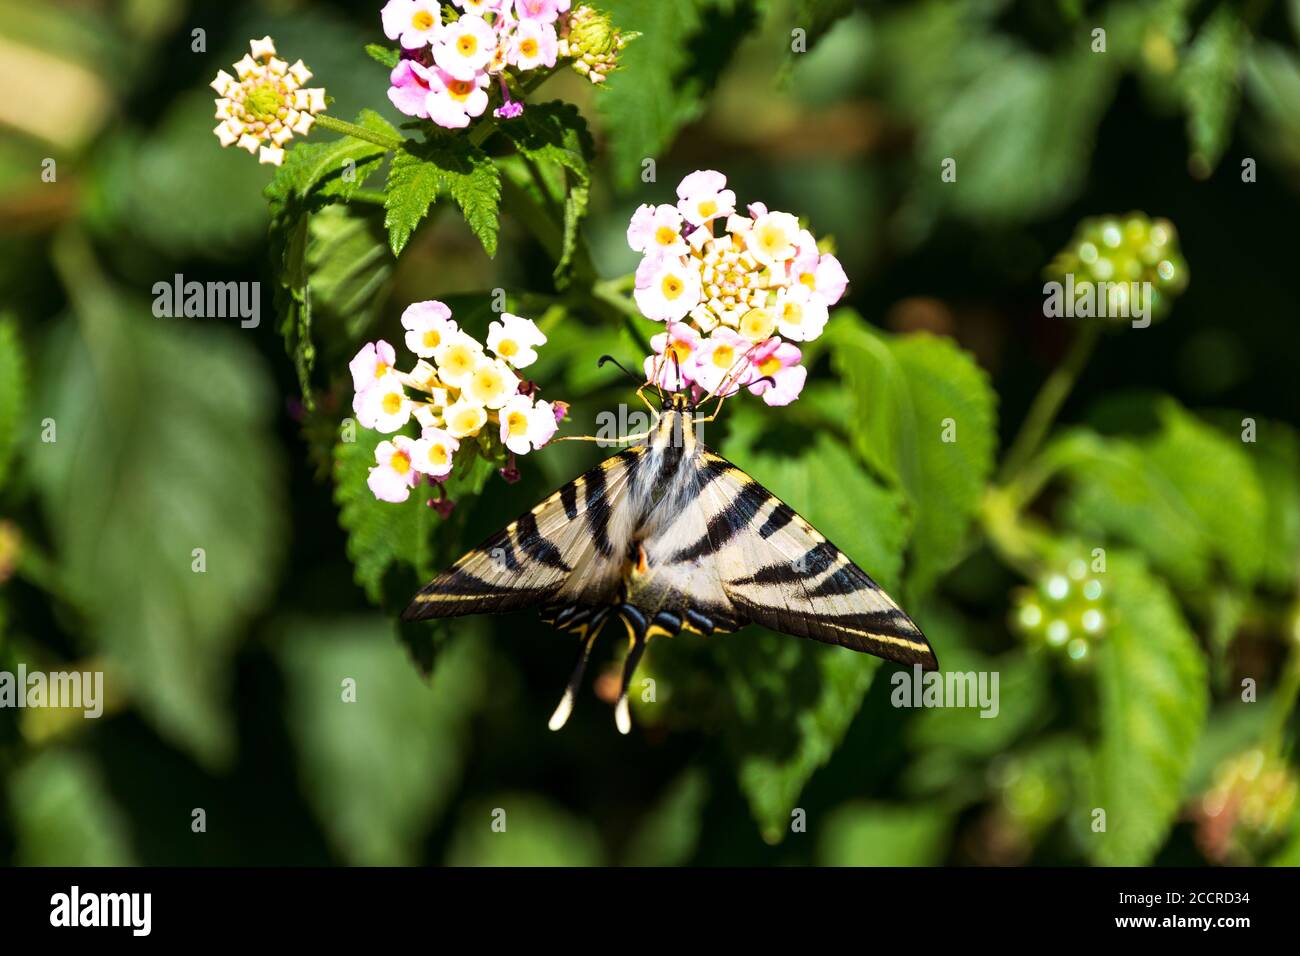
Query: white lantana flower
point(265, 103)
point(515, 339)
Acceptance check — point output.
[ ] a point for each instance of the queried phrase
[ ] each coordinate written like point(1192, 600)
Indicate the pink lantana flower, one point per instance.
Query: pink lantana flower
point(657, 229)
point(465, 48)
point(533, 44)
point(432, 454)
point(452, 103)
point(672, 366)
point(723, 361)
point(780, 377)
point(413, 23)
point(373, 362)
point(427, 325)
point(703, 196)
point(409, 88)
point(394, 474)
point(666, 289)
point(542, 11)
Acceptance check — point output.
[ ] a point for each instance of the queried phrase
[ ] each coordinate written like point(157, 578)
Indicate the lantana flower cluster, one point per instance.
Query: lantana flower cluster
point(736, 290)
point(448, 65)
point(265, 103)
point(458, 391)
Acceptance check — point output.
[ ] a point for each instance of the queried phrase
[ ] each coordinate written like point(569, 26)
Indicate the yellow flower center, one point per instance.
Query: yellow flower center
point(422, 20)
point(672, 286)
point(756, 324)
point(392, 403)
point(707, 209)
point(507, 348)
point(381, 369)
point(792, 313)
point(680, 349)
point(460, 89)
point(724, 356)
point(467, 44)
point(438, 454)
point(665, 235)
point(769, 366)
point(400, 462)
point(517, 423)
point(528, 48)
point(432, 339)
point(771, 239)
point(809, 279)
point(460, 359)
point(467, 420)
point(487, 383)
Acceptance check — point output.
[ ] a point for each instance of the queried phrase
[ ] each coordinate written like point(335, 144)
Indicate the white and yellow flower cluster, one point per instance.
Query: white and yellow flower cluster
point(734, 301)
point(265, 103)
point(457, 391)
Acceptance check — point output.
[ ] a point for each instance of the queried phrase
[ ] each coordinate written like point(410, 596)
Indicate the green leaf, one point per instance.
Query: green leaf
point(383, 55)
point(880, 834)
point(1273, 81)
point(671, 830)
point(1151, 680)
point(407, 537)
point(348, 261)
point(164, 445)
point(13, 392)
point(913, 394)
point(520, 829)
point(312, 176)
point(380, 752)
point(665, 74)
point(326, 168)
point(1186, 497)
point(423, 172)
point(555, 134)
point(1211, 86)
point(63, 814)
point(793, 699)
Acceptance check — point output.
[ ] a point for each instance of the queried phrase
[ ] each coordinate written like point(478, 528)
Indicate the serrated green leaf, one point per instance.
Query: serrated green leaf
point(927, 420)
point(1186, 497)
point(174, 421)
point(378, 766)
point(327, 168)
point(556, 134)
point(879, 834)
point(1211, 86)
point(521, 829)
point(384, 536)
point(1151, 680)
point(383, 55)
point(348, 261)
point(793, 700)
point(665, 74)
point(64, 815)
point(423, 172)
point(13, 392)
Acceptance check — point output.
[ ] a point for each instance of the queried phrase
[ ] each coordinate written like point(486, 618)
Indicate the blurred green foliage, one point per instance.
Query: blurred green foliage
point(274, 689)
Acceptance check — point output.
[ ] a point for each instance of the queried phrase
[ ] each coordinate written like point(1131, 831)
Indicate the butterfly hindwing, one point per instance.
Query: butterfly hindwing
point(775, 569)
point(563, 550)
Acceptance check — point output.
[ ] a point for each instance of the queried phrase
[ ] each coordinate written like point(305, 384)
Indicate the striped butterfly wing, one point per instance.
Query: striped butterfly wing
point(778, 571)
point(568, 548)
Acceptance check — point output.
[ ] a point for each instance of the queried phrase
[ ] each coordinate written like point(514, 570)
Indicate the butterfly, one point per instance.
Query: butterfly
point(669, 536)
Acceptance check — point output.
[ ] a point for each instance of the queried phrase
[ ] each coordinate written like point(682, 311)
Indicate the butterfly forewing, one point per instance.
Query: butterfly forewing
point(536, 559)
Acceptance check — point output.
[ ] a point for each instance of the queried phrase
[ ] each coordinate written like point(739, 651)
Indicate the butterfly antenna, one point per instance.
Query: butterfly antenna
point(609, 358)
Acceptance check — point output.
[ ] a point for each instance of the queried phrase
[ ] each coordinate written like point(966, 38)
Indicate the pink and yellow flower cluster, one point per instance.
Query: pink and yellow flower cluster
point(734, 299)
point(458, 391)
point(447, 67)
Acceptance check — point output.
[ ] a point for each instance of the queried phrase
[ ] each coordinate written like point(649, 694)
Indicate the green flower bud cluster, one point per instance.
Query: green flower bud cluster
point(592, 42)
point(1119, 250)
point(1065, 611)
point(1248, 808)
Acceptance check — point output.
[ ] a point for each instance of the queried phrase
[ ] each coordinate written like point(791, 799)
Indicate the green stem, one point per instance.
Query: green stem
point(1047, 403)
point(1288, 688)
point(358, 132)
